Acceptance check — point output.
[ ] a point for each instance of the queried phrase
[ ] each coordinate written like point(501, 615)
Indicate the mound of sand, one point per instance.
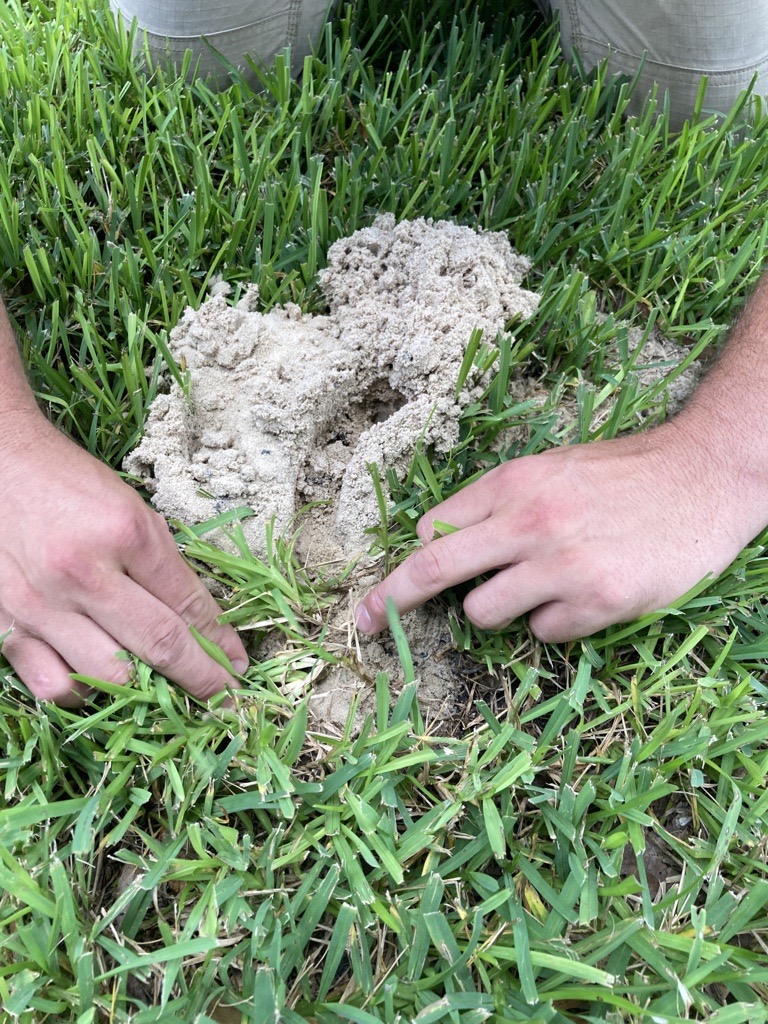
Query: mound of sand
point(286, 408)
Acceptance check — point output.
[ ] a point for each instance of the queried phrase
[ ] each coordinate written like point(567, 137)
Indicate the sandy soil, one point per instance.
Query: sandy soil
point(286, 408)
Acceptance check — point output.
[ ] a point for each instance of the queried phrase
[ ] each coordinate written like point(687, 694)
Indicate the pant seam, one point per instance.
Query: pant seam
point(294, 17)
point(725, 76)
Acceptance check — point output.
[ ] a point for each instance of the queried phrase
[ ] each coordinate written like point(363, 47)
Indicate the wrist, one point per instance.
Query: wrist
point(22, 426)
point(723, 458)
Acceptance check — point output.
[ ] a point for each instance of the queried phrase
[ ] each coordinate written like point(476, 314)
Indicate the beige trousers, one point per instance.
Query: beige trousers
point(679, 40)
point(232, 28)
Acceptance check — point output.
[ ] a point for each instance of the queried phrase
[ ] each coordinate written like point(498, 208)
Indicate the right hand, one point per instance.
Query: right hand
point(583, 536)
point(87, 569)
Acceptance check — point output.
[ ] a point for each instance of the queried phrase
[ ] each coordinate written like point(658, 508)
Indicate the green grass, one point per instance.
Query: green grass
point(157, 865)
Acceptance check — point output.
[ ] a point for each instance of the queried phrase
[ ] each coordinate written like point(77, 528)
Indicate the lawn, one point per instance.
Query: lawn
point(588, 842)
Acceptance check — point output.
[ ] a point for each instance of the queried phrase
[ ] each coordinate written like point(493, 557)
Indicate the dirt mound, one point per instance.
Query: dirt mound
point(286, 408)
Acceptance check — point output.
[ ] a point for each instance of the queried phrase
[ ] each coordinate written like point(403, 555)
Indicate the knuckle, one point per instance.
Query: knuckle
point(604, 594)
point(51, 688)
point(428, 568)
point(158, 525)
point(510, 472)
point(196, 608)
point(599, 589)
point(66, 561)
point(545, 628)
point(129, 526)
point(611, 599)
point(556, 624)
point(521, 475)
point(125, 527)
point(482, 614)
point(166, 647)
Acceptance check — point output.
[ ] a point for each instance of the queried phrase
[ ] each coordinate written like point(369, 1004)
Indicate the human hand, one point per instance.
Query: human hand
point(581, 537)
point(88, 569)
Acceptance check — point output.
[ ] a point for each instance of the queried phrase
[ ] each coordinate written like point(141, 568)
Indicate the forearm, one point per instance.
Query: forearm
point(726, 420)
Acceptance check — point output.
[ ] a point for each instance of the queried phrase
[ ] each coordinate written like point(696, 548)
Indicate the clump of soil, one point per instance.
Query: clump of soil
point(286, 408)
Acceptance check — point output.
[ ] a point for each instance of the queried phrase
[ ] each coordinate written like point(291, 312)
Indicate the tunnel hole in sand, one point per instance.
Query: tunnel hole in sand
point(323, 470)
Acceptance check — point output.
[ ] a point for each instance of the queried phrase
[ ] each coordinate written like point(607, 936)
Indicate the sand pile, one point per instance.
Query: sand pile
point(286, 408)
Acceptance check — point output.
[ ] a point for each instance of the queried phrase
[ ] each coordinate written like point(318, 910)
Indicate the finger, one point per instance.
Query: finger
point(467, 507)
point(43, 671)
point(439, 564)
point(161, 638)
point(87, 648)
point(558, 622)
point(509, 594)
point(160, 570)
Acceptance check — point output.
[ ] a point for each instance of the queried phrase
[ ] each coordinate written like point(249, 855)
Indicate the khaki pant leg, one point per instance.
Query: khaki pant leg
point(724, 40)
point(260, 28)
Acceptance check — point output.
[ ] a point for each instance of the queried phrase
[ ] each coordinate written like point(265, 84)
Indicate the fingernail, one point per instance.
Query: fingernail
point(240, 665)
point(363, 618)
